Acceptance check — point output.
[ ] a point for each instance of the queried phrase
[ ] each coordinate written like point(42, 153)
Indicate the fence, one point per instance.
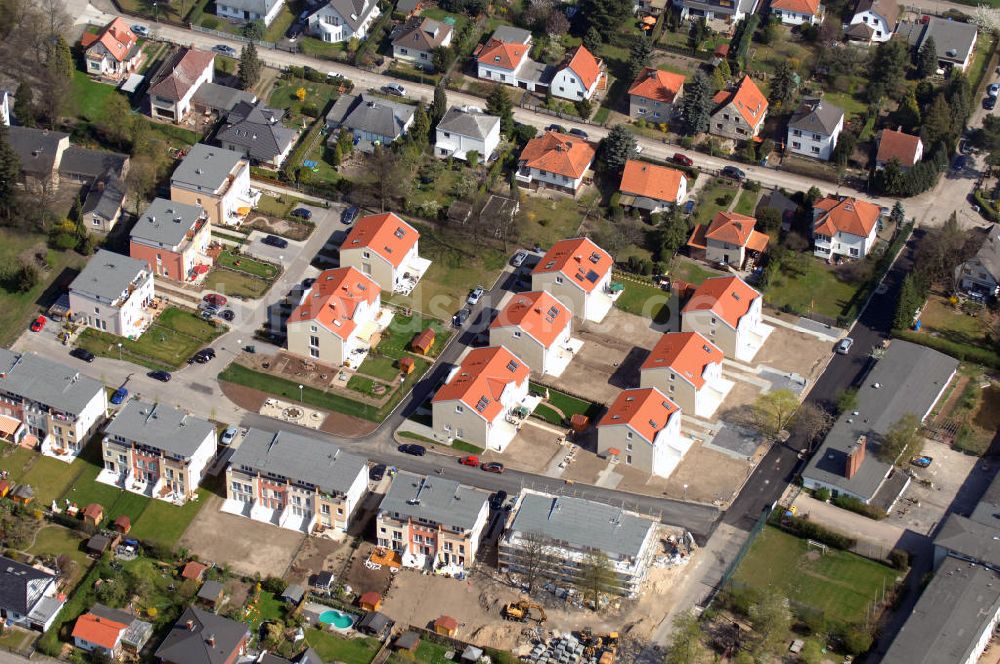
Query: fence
point(727, 576)
point(235, 37)
point(562, 116)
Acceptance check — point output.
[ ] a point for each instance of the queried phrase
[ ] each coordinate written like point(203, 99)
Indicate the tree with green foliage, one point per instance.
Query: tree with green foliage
point(616, 148)
point(639, 56)
point(696, 105)
point(670, 234)
point(844, 148)
point(442, 58)
point(772, 411)
point(890, 179)
point(901, 441)
point(498, 103)
point(595, 578)
point(888, 67)
point(937, 122)
point(421, 127)
point(847, 400)
point(604, 16)
point(58, 76)
point(898, 215)
point(24, 104)
point(584, 108)
point(255, 30)
point(771, 619)
point(440, 104)
point(910, 299)
point(927, 58)
point(250, 67)
point(767, 31)
point(26, 276)
point(907, 115)
point(592, 39)
point(782, 85)
point(686, 646)
point(116, 121)
point(10, 172)
point(697, 34)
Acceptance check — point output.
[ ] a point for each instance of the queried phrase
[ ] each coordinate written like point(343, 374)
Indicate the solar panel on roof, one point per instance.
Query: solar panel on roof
point(592, 277)
point(512, 366)
point(483, 403)
point(553, 312)
point(400, 233)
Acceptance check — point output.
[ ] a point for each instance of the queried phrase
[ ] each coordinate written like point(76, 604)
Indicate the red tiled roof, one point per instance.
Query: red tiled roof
point(504, 55)
point(334, 299)
point(583, 63)
point(93, 511)
point(731, 227)
point(899, 145)
point(385, 234)
point(807, 7)
point(540, 315)
point(191, 65)
point(847, 216)
point(193, 570)
point(99, 631)
point(646, 410)
point(684, 353)
point(558, 153)
point(749, 101)
point(447, 622)
point(481, 378)
point(577, 258)
point(728, 297)
point(657, 85)
point(657, 182)
point(116, 37)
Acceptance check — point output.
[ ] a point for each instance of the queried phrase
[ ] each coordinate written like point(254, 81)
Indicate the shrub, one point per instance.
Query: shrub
point(210, 22)
point(854, 505)
point(274, 585)
point(822, 494)
point(899, 558)
point(311, 110)
point(857, 640)
point(814, 531)
point(959, 351)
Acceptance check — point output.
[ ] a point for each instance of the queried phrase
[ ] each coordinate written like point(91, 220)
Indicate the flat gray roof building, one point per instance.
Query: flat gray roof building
point(298, 458)
point(512, 35)
point(165, 223)
point(107, 276)
point(46, 382)
point(435, 499)
point(205, 168)
point(162, 427)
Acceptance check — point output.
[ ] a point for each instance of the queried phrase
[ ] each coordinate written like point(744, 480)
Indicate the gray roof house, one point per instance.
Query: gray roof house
point(249, 10)
point(464, 129)
point(909, 379)
point(573, 527)
point(28, 595)
point(165, 223)
point(416, 40)
point(108, 276)
point(256, 132)
point(727, 10)
point(86, 165)
point(814, 128)
point(954, 41)
point(51, 384)
point(103, 206)
point(436, 500)
point(200, 637)
point(981, 273)
point(112, 294)
point(204, 168)
point(373, 120)
point(162, 428)
point(342, 20)
point(39, 150)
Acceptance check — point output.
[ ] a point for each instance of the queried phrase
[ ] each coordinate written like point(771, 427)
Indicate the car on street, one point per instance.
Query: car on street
point(922, 461)
point(734, 173)
point(215, 299)
point(38, 324)
point(394, 89)
point(308, 282)
point(227, 315)
point(519, 258)
point(228, 436)
point(160, 375)
point(844, 345)
point(989, 103)
point(579, 133)
point(555, 127)
point(993, 90)
point(302, 213)
point(469, 460)
point(226, 50)
point(492, 467)
point(140, 30)
point(348, 216)
point(275, 241)
point(203, 355)
point(498, 499)
point(683, 159)
point(82, 354)
point(413, 450)
point(458, 320)
point(959, 162)
point(475, 296)
point(119, 396)
point(377, 472)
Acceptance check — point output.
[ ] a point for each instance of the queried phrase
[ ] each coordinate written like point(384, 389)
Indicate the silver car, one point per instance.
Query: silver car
point(844, 345)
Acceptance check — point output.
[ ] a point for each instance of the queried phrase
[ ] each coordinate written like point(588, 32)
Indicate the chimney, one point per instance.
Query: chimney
point(190, 625)
point(210, 640)
point(856, 456)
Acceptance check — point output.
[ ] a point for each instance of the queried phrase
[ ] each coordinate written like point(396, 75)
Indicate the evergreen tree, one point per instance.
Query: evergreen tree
point(696, 104)
point(907, 115)
point(592, 39)
point(58, 76)
point(783, 84)
point(697, 34)
point(670, 235)
point(616, 148)
point(498, 103)
point(937, 124)
point(844, 148)
point(254, 30)
point(927, 59)
point(890, 180)
point(24, 104)
point(640, 55)
point(439, 106)
point(604, 17)
point(898, 214)
point(250, 67)
point(420, 130)
point(10, 170)
point(888, 67)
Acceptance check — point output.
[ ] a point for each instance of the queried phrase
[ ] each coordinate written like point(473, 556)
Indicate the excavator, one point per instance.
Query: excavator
point(521, 611)
point(606, 645)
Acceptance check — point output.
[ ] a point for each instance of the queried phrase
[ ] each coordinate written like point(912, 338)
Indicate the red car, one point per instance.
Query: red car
point(492, 467)
point(215, 299)
point(683, 159)
point(471, 460)
point(38, 324)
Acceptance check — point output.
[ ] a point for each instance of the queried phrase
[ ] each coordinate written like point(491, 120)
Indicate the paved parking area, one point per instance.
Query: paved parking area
point(281, 255)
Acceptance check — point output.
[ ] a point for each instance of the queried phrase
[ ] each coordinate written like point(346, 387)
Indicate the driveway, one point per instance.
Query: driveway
point(255, 246)
point(881, 533)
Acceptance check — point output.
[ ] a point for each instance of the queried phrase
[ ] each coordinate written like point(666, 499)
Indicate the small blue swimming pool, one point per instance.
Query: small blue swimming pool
point(336, 618)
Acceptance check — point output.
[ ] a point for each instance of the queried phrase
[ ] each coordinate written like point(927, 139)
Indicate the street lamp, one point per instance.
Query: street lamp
point(119, 351)
point(156, 14)
point(300, 393)
point(685, 492)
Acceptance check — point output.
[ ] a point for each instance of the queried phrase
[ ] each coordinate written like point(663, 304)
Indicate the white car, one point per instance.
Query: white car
point(394, 89)
point(228, 436)
point(844, 345)
point(141, 30)
point(475, 295)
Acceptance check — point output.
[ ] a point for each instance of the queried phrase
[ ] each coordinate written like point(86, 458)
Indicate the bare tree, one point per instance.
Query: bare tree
point(386, 179)
point(811, 422)
point(533, 558)
point(596, 577)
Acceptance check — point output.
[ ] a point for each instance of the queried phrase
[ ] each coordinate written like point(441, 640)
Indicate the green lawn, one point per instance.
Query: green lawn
point(331, 647)
point(164, 523)
point(276, 31)
point(116, 502)
point(550, 220)
point(839, 584)
point(317, 95)
point(317, 48)
point(569, 405)
point(246, 264)
point(240, 375)
point(544, 412)
point(396, 340)
point(236, 284)
point(940, 319)
point(850, 103)
point(188, 323)
point(50, 477)
point(428, 652)
point(14, 459)
point(747, 203)
point(715, 197)
point(457, 20)
point(691, 271)
point(88, 96)
point(379, 366)
point(812, 286)
point(55, 540)
point(272, 207)
point(644, 300)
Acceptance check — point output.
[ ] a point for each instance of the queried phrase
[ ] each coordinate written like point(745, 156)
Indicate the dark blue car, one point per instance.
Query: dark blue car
point(119, 396)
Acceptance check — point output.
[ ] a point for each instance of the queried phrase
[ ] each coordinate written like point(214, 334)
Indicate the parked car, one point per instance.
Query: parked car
point(844, 345)
point(475, 296)
point(349, 215)
point(141, 30)
point(959, 162)
point(394, 89)
point(377, 472)
point(683, 159)
point(215, 299)
point(302, 213)
point(414, 450)
point(119, 396)
point(498, 499)
point(519, 258)
point(38, 324)
point(993, 90)
point(921, 461)
point(458, 320)
point(493, 467)
point(295, 30)
point(227, 315)
point(228, 436)
point(733, 172)
point(689, 207)
point(469, 460)
point(82, 354)
point(579, 133)
point(226, 50)
point(275, 241)
point(160, 375)
point(989, 103)
point(308, 282)
point(203, 356)
point(555, 127)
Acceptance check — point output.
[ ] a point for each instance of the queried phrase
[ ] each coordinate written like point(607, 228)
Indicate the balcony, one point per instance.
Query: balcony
point(523, 175)
point(408, 275)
